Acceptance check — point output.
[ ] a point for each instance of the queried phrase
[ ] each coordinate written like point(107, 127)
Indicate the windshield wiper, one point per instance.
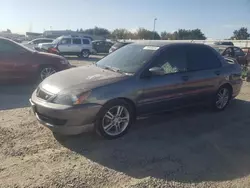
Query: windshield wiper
point(116, 70)
point(112, 69)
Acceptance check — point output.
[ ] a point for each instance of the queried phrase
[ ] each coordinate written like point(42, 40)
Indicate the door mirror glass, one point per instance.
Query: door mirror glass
point(157, 71)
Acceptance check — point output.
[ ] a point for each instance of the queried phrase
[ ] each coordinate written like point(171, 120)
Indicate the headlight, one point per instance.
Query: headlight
point(64, 62)
point(71, 99)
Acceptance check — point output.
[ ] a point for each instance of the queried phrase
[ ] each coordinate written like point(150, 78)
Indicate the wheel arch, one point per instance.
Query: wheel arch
point(128, 101)
point(229, 86)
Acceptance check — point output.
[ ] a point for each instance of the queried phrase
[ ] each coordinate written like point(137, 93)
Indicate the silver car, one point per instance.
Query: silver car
point(138, 79)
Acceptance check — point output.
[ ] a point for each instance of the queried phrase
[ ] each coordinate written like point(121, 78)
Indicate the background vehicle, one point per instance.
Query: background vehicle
point(246, 50)
point(34, 43)
point(18, 63)
point(149, 78)
point(118, 45)
point(233, 52)
point(101, 46)
point(225, 43)
point(68, 45)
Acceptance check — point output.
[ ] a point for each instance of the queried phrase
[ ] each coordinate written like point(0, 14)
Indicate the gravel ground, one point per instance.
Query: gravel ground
point(188, 148)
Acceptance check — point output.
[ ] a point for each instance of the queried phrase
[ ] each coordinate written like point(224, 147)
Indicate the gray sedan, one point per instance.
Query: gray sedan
point(138, 79)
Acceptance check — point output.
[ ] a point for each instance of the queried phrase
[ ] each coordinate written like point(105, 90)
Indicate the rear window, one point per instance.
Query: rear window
point(85, 41)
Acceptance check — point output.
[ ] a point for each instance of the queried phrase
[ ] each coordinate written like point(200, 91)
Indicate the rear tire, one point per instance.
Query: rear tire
point(222, 98)
point(85, 53)
point(114, 119)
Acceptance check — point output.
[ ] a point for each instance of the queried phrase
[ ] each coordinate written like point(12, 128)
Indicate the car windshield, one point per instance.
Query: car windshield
point(56, 40)
point(119, 44)
point(128, 59)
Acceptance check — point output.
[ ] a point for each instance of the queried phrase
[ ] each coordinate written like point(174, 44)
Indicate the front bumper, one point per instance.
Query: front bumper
point(66, 120)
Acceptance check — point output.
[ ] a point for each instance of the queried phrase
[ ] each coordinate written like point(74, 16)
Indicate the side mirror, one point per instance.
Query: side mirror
point(157, 71)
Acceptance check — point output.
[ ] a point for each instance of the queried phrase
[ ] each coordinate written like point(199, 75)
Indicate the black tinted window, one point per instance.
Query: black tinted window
point(172, 60)
point(76, 41)
point(202, 58)
point(85, 41)
point(9, 47)
point(238, 52)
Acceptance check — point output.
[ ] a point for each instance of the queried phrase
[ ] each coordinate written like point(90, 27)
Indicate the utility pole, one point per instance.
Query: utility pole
point(154, 28)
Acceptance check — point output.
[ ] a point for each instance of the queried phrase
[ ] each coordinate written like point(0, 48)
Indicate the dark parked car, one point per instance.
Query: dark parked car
point(233, 52)
point(137, 80)
point(19, 63)
point(118, 45)
point(225, 43)
point(102, 46)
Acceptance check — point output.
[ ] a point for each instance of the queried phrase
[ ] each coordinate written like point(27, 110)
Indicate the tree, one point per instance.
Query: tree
point(166, 36)
point(121, 34)
point(97, 31)
point(143, 33)
point(241, 34)
point(8, 31)
point(183, 34)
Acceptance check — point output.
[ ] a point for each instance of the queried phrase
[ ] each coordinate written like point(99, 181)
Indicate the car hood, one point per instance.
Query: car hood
point(81, 78)
point(48, 55)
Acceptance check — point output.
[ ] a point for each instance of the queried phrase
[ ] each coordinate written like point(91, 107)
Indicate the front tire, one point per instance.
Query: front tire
point(46, 71)
point(114, 119)
point(222, 98)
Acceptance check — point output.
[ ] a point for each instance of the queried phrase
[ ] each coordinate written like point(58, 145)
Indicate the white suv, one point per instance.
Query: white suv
point(68, 45)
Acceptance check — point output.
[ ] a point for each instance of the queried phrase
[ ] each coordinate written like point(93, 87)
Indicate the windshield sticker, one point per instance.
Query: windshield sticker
point(151, 48)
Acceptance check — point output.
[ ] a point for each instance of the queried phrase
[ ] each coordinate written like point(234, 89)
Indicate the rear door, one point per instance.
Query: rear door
point(64, 46)
point(76, 45)
point(86, 44)
point(204, 73)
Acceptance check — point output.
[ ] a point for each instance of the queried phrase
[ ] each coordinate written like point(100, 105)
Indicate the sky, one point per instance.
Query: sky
point(216, 18)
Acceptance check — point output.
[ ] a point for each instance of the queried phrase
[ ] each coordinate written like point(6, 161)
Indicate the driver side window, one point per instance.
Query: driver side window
point(172, 60)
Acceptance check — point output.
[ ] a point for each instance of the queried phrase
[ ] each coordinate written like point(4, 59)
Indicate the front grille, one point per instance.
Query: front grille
point(52, 121)
point(43, 94)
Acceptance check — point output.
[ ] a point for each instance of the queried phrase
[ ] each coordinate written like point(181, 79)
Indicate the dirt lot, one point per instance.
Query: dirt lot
point(188, 148)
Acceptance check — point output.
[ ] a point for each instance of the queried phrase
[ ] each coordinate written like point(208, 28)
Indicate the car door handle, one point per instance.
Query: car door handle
point(217, 72)
point(185, 78)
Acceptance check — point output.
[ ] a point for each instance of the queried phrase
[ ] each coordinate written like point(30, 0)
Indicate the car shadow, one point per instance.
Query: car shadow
point(15, 96)
point(191, 145)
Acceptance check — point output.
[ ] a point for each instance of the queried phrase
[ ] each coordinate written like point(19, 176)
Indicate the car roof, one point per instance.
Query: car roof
point(43, 39)
point(164, 43)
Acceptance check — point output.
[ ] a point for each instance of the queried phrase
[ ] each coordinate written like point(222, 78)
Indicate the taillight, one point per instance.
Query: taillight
point(53, 50)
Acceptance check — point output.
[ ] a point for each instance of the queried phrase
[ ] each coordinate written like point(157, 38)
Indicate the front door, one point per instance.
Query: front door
point(64, 46)
point(167, 91)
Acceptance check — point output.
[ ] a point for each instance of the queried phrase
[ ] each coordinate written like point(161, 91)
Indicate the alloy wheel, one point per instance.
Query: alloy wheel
point(115, 120)
point(47, 72)
point(85, 54)
point(222, 98)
